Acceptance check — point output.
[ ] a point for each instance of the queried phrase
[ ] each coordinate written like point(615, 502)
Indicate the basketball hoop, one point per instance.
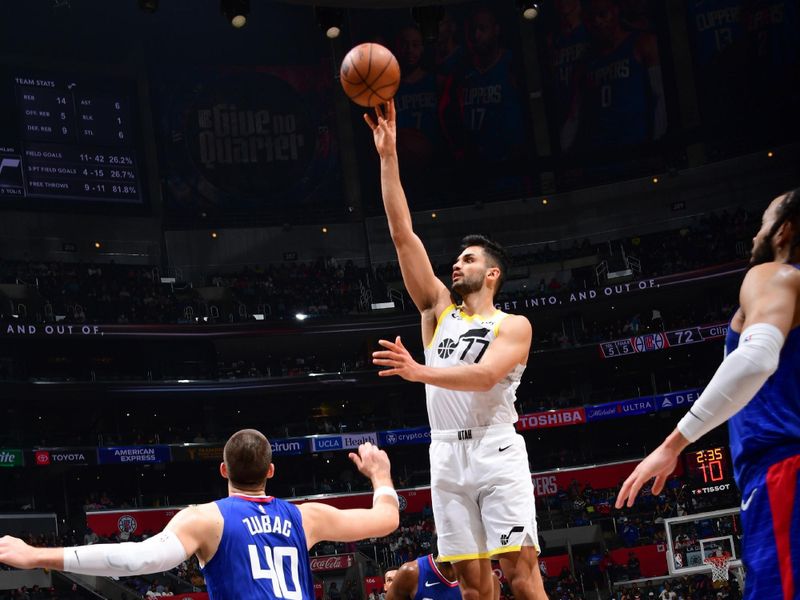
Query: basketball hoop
point(719, 566)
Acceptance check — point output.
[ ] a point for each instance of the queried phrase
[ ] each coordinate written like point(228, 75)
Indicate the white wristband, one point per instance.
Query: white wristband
point(385, 490)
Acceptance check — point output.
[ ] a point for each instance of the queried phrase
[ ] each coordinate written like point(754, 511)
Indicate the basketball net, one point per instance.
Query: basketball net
point(719, 566)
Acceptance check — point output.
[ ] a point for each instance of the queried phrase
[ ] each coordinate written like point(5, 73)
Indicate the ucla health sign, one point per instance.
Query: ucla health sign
point(133, 454)
point(400, 437)
point(345, 441)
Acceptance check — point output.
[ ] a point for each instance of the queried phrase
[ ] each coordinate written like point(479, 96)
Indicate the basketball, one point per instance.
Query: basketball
point(370, 75)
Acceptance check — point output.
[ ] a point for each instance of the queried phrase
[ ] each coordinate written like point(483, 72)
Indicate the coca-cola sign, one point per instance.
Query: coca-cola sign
point(331, 563)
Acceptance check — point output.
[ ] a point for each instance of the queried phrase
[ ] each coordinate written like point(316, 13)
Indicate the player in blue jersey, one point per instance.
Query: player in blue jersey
point(490, 98)
point(619, 99)
point(249, 545)
point(566, 48)
point(416, 102)
point(428, 579)
point(756, 388)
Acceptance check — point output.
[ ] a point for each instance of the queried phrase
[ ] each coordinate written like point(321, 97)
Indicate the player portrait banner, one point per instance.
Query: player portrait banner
point(133, 454)
point(552, 418)
point(110, 523)
point(45, 457)
point(11, 457)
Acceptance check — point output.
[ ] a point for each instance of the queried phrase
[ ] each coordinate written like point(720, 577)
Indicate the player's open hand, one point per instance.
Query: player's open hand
point(371, 461)
point(398, 359)
point(16, 553)
point(659, 464)
point(384, 128)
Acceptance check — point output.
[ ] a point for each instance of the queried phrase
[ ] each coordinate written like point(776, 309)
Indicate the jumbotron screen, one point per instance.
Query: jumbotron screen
point(67, 138)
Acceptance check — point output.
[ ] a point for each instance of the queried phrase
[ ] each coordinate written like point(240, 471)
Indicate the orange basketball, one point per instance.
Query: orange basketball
point(370, 74)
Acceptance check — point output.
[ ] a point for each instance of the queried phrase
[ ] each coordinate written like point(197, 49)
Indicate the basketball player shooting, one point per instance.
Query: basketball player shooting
point(756, 389)
point(481, 488)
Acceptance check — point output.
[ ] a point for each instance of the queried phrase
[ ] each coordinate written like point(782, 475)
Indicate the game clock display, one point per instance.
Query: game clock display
point(709, 471)
point(68, 138)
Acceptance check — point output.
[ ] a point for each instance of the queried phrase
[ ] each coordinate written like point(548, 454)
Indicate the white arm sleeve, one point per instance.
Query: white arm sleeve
point(159, 553)
point(736, 381)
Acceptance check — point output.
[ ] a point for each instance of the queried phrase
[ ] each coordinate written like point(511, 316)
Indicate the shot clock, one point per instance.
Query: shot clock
point(709, 471)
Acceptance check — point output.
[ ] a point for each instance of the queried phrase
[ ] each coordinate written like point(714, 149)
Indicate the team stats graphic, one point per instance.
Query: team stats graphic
point(67, 138)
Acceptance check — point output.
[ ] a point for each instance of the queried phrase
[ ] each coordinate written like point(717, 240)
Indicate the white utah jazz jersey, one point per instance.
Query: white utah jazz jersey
point(462, 340)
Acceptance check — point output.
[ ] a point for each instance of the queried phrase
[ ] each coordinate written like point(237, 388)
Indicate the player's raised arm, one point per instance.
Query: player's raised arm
point(768, 299)
point(426, 290)
point(324, 522)
point(184, 535)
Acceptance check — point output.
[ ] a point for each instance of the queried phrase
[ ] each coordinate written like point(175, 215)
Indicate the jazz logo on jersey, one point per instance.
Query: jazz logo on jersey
point(504, 539)
point(478, 335)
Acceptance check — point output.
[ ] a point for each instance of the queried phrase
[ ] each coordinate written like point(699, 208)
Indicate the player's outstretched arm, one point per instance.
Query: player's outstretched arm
point(181, 538)
point(404, 586)
point(324, 522)
point(509, 349)
point(426, 290)
point(768, 298)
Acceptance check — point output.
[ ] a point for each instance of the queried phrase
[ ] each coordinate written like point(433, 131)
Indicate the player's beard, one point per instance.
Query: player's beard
point(762, 252)
point(467, 286)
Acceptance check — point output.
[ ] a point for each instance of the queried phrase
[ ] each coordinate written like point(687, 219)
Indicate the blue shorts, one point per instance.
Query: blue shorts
point(771, 527)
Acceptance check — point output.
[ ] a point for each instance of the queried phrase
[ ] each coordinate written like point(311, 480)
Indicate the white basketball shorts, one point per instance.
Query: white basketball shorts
point(482, 493)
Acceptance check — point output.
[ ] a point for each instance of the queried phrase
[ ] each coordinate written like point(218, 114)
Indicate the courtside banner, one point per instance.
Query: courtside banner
point(621, 408)
point(401, 437)
point(133, 454)
point(11, 457)
point(552, 418)
point(289, 446)
point(642, 406)
point(683, 399)
point(46, 457)
point(109, 523)
point(197, 452)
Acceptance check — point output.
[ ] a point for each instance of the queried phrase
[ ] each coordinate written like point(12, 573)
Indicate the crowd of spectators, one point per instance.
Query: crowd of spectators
point(694, 587)
point(117, 293)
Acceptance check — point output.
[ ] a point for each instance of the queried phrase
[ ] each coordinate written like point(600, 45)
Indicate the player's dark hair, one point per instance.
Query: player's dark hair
point(247, 455)
point(496, 254)
point(789, 211)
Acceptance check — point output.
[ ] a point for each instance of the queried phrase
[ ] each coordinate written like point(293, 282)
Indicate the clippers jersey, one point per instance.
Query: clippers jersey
point(417, 106)
point(262, 553)
point(619, 102)
point(493, 116)
point(432, 585)
point(462, 340)
point(767, 430)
